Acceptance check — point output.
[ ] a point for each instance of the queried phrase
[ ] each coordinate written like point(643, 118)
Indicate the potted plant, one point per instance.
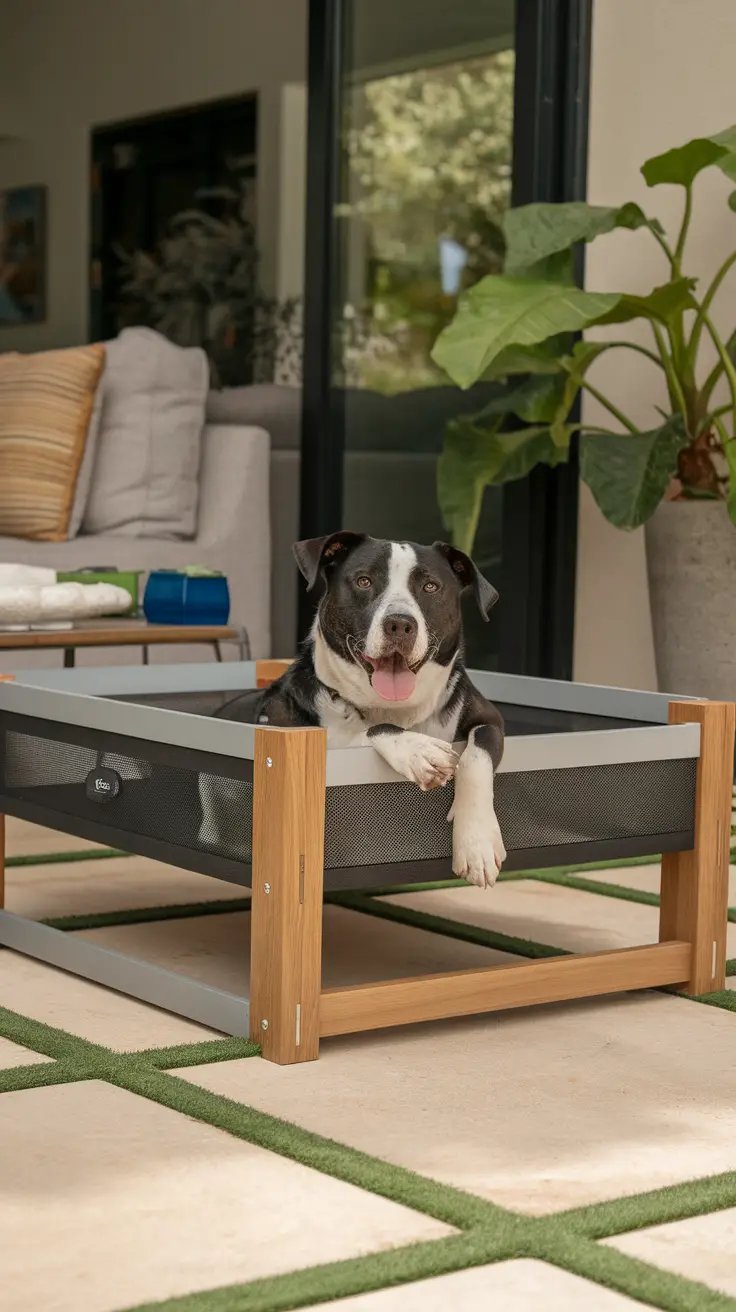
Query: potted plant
point(522, 330)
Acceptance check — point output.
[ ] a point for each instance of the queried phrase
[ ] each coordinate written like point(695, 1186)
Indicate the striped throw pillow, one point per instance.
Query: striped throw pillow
point(45, 406)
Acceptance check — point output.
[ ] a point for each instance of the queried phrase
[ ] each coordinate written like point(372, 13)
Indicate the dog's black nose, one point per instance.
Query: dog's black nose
point(401, 630)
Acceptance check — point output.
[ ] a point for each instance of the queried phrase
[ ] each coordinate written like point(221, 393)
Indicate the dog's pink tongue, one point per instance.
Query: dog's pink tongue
point(393, 680)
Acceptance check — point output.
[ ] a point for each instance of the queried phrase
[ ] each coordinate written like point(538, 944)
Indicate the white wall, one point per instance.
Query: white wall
point(69, 65)
point(662, 72)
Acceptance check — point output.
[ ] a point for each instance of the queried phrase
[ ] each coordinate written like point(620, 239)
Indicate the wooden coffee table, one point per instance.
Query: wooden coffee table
point(125, 633)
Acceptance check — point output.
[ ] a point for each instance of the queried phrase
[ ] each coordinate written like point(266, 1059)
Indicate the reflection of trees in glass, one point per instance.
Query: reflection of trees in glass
point(429, 156)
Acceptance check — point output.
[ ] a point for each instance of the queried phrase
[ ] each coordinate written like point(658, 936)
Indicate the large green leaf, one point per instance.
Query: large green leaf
point(541, 359)
point(574, 366)
point(682, 165)
point(628, 473)
point(536, 399)
point(474, 457)
point(727, 164)
point(660, 304)
point(536, 232)
point(500, 312)
point(466, 465)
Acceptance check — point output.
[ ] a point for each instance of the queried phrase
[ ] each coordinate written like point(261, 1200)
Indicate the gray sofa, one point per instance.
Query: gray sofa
point(233, 535)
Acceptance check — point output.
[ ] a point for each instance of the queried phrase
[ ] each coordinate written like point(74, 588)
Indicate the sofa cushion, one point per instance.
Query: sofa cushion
point(46, 402)
point(145, 476)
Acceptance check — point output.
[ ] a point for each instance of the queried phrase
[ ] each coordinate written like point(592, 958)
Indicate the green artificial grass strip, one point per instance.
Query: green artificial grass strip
point(199, 1054)
point(675, 1202)
point(541, 873)
point(492, 1232)
point(360, 1275)
point(622, 891)
point(487, 938)
point(453, 1206)
point(725, 998)
point(626, 1275)
point(46, 1039)
point(731, 967)
point(60, 858)
point(144, 915)
point(16, 1078)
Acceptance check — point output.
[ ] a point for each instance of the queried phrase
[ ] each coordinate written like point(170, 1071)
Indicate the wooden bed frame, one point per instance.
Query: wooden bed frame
point(291, 1012)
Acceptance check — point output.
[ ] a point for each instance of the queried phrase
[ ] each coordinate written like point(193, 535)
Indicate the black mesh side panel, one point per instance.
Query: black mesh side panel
point(187, 808)
point(366, 824)
point(381, 823)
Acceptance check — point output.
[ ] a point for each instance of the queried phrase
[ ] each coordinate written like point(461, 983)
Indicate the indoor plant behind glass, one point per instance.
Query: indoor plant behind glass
point(521, 330)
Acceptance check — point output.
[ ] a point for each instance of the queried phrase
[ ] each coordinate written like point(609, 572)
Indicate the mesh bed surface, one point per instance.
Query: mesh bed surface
point(518, 720)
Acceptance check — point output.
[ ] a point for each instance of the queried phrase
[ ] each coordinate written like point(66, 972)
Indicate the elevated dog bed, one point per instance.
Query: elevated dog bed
point(134, 758)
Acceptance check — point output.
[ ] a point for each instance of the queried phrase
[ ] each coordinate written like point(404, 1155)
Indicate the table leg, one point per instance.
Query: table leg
point(218, 650)
point(145, 654)
point(69, 655)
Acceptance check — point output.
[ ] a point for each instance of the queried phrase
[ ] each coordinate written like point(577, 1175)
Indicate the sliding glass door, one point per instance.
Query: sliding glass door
point(414, 151)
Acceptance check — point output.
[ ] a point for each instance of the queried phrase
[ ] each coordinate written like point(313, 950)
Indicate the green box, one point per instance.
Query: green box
point(127, 579)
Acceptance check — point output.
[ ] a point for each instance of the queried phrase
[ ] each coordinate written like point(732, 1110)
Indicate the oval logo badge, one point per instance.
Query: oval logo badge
point(102, 785)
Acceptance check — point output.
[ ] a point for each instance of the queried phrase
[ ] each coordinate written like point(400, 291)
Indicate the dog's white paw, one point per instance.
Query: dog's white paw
point(426, 762)
point(478, 850)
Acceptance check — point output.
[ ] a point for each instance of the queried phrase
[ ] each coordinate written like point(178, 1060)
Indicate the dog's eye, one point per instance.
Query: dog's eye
point(431, 586)
point(363, 581)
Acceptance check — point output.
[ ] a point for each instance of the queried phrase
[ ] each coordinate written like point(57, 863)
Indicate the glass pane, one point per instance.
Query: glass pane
point(426, 122)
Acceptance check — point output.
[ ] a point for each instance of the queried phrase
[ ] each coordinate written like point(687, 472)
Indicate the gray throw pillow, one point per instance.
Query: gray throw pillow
point(145, 479)
point(84, 477)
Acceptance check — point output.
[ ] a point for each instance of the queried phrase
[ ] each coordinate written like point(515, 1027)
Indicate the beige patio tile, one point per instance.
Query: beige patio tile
point(521, 1286)
point(108, 884)
point(356, 948)
point(136, 1203)
point(547, 913)
point(25, 839)
point(539, 1109)
point(89, 1010)
point(702, 1248)
point(13, 1054)
point(646, 878)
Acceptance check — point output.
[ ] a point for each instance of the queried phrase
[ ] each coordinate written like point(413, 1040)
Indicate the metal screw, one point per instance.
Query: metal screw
point(264, 1024)
point(269, 762)
point(267, 888)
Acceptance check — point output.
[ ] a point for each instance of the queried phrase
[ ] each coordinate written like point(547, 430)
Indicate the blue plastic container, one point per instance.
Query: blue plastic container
point(177, 597)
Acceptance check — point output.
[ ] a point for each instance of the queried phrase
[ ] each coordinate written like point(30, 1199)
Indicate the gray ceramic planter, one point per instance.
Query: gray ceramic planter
point(691, 559)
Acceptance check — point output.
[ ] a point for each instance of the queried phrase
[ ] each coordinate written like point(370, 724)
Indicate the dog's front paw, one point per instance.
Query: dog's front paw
point(426, 762)
point(478, 850)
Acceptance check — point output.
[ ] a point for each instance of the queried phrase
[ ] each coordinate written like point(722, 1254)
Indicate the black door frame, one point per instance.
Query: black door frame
point(550, 155)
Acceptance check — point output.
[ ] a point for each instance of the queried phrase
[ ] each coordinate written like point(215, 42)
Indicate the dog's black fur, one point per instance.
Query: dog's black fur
point(390, 619)
point(291, 701)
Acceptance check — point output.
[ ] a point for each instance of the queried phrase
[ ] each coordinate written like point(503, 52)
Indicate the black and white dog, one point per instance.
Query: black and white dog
point(383, 666)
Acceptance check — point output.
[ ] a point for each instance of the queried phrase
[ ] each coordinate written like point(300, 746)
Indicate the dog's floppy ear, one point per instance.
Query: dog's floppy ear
point(470, 577)
point(313, 554)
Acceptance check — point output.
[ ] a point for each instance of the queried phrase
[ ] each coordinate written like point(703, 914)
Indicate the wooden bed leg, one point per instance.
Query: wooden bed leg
point(694, 892)
point(289, 772)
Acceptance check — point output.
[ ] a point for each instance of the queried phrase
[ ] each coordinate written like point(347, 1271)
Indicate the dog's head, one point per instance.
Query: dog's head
point(390, 609)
